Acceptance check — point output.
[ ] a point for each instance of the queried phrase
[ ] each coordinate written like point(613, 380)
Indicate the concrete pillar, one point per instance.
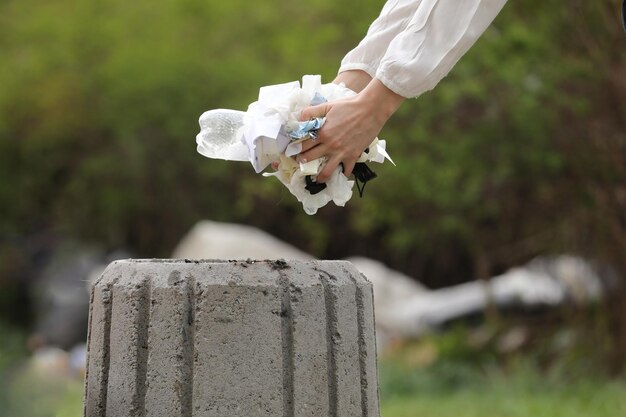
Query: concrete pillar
point(252, 339)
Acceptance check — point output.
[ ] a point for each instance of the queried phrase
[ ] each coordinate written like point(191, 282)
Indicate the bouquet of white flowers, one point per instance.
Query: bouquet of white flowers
point(270, 132)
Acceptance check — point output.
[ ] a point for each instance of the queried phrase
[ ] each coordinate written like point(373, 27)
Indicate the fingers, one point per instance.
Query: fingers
point(328, 170)
point(313, 153)
point(314, 111)
point(308, 144)
point(348, 166)
point(331, 166)
point(324, 146)
point(318, 152)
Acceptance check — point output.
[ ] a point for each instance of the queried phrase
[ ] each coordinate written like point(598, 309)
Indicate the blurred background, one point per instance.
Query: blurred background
point(508, 198)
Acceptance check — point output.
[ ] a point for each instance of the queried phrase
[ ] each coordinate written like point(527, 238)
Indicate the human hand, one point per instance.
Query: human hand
point(350, 127)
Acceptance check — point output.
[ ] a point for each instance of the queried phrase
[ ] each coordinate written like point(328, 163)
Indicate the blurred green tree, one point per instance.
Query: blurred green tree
point(519, 151)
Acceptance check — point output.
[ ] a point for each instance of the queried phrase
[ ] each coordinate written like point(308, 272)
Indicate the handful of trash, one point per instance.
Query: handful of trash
point(270, 132)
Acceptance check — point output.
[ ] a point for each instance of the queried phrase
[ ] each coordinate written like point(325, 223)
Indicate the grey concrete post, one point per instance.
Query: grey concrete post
point(223, 339)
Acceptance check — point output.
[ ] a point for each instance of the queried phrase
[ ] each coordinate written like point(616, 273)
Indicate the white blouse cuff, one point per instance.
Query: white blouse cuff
point(399, 89)
point(358, 66)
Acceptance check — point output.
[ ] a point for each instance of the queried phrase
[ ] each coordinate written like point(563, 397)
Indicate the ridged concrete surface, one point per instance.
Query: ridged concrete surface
point(225, 339)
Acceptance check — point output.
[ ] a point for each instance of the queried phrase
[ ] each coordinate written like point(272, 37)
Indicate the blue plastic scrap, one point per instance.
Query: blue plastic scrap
point(307, 129)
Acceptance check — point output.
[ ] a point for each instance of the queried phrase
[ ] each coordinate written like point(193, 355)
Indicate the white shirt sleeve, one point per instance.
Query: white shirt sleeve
point(413, 44)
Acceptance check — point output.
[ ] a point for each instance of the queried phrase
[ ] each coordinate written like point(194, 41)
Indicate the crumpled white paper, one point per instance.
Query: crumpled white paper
point(261, 136)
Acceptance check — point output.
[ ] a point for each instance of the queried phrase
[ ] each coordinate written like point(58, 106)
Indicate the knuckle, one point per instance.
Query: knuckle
point(335, 145)
point(322, 136)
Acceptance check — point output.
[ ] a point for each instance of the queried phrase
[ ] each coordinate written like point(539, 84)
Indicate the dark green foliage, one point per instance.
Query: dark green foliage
point(519, 151)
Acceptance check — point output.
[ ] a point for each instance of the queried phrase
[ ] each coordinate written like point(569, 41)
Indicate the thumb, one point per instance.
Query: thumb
point(314, 111)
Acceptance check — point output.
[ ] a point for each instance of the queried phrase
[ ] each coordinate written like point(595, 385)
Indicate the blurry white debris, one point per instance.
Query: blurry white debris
point(579, 279)
point(427, 310)
point(51, 361)
point(390, 288)
point(405, 308)
point(213, 240)
point(545, 281)
point(78, 359)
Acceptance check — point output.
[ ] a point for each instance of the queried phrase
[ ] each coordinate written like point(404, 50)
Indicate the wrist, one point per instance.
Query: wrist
point(383, 100)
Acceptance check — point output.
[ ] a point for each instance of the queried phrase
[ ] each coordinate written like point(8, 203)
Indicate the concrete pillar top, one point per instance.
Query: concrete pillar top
point(231, 338)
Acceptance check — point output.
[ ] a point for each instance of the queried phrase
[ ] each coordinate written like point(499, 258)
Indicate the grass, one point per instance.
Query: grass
point(436, 377)
point(441, 392)
point(444, 376)
point(511, 396)
point(580, 401)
